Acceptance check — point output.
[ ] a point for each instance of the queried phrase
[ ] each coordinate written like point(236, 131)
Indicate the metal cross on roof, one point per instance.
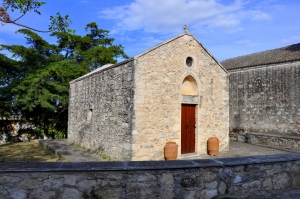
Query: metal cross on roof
point(186, 29)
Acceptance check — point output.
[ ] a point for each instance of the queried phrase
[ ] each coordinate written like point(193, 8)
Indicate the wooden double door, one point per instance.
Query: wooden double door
point(188, 126)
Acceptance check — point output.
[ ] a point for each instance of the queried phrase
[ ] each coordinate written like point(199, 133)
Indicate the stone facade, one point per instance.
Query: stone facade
point(265, 99)
point(100, 110)
point(136, 105)
point(264, 92)
point(276, 176)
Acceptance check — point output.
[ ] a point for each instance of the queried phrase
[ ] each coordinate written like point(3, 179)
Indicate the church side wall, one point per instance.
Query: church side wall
point(265, 99)
point(158, 79)
point(100, 112)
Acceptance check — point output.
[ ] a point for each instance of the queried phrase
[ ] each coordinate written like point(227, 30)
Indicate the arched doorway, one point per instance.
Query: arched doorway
point(189, 89)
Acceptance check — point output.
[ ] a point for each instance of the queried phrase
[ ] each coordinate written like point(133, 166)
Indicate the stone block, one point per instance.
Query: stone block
point(168, 193)
point(296, 181)
point(38, 194)
point(70, 193)
point(28, 184)
point(267, 184)
point(167, 179)
point(70, 179)
point(222, 188)
point(208, 194)
point(211, 185)
point(186, 195)
point(146, 178)
point(19, 194)
point(87, 184)
point(110, 193)
point(281, 181)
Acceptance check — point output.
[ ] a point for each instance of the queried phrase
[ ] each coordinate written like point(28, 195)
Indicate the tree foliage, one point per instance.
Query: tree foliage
point(43, 72)
point(57, 23)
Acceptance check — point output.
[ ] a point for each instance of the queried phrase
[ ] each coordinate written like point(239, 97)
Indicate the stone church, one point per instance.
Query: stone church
point(176, 91)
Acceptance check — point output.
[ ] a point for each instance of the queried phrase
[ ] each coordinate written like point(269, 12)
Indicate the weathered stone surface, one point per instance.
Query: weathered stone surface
point(87, 184)
point(296, 181)
point(168, 193)
point(70, 179)
point(100, 112)
point(28, 184)
point(110, 193)
point(167, 179)
point(266, 99)
point(143, 190)
point(71, 193)
point(211, 185)
point(187, 195)
point(281, 181)
point(137, 180)
point(146, 178)
point(130, 110)
point(37, 194)
point(251, 187)
point(222, 188)
point(267, 184)
point(19, 194)
point(208, 193)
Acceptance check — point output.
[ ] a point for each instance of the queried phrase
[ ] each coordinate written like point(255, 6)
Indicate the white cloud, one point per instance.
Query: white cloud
point(247, 42)
point(169, 15)
point(150, 41)
point(265, 4)
point(293, 39)
point(258, 15)
point(2, 41)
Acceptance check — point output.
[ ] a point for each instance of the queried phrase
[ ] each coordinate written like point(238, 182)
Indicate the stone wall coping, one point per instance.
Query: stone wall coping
point(275, 135)
point(273, 65)
point(100, 70)
point(142, 165)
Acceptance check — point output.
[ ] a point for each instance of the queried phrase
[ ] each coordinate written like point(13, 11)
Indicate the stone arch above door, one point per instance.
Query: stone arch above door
point(189, 86)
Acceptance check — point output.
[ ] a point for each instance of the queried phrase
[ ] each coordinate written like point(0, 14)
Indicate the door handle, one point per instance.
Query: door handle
point(186, 126)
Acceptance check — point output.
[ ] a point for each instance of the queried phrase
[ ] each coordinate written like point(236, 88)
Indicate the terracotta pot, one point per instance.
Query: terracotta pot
point(213, 146)
point(171, 150)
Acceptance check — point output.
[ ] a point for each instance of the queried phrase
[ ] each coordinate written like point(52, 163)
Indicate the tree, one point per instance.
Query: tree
point(46, 70)
point(57, 23)
point(9, 71)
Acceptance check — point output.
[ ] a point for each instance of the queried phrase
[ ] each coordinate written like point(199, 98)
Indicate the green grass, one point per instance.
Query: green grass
point(27, 152)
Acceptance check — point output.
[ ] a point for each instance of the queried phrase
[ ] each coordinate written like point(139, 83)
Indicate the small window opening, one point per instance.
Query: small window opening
point(189, 61)
point(90, 115)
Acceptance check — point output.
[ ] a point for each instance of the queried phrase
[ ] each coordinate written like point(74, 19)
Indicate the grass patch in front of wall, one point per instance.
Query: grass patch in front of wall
point(27, 152)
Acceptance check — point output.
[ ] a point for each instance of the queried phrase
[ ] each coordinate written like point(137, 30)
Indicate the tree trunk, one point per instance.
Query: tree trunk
point(46, 131)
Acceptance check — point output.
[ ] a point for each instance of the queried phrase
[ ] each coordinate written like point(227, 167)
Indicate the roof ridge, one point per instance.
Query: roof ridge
point(266, 57)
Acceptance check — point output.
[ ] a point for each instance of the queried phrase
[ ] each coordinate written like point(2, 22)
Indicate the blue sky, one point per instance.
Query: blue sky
point(227, 28)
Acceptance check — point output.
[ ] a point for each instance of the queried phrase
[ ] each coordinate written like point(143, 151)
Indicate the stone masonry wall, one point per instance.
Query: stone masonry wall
point(265, 99)
point(276, 176)
point(158, 79)
point(100, 111)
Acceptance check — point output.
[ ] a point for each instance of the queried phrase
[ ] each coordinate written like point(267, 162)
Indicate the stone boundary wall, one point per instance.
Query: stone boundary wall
point(265, 99)
point(284, 141)
point(246, 177)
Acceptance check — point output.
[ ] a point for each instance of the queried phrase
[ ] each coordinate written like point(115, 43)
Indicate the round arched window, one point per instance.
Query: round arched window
point(189, 61)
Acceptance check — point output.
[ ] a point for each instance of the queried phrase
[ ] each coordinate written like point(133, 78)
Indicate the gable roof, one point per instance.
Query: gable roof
point(278, 55)
point(180, 35)
point(108, 66)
